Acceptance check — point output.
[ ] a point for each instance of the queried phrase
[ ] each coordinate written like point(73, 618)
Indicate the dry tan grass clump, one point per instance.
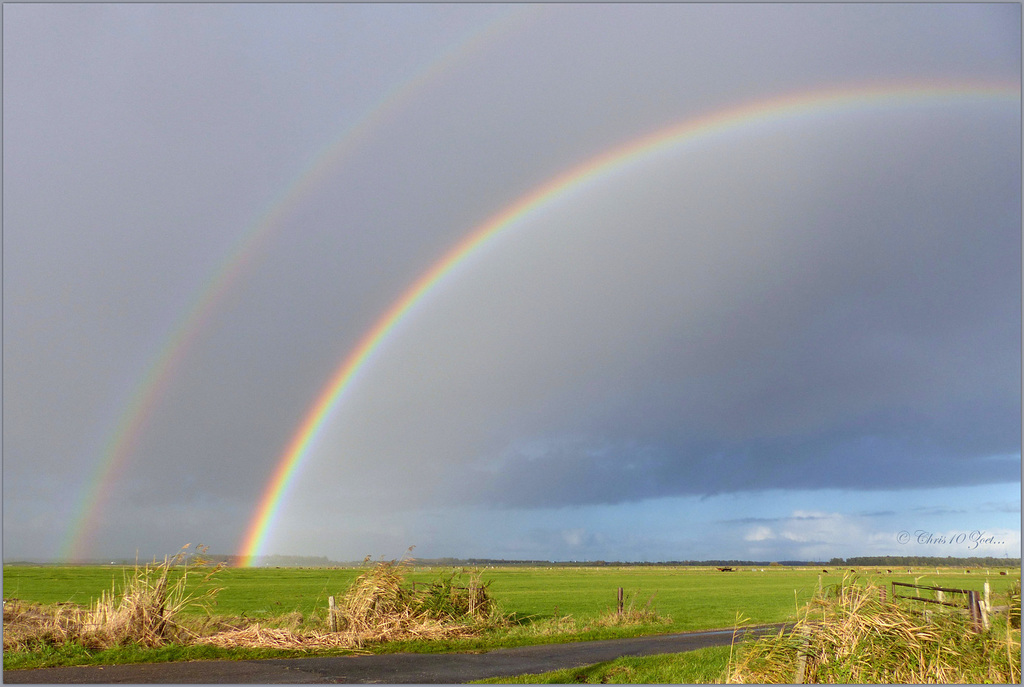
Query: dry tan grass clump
point(146, 611)
point(851, 636)
point(380, 607)
point(27, 625)
point(255, 636)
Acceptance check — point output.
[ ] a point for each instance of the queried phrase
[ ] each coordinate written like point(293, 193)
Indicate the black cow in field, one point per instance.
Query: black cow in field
point(726, 570)
point(823, 570)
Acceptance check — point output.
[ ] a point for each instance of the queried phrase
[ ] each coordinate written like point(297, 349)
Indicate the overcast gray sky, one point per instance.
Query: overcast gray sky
point(795, 338)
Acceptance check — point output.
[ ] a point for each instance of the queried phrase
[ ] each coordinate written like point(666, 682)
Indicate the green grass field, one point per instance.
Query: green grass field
point(694, 599)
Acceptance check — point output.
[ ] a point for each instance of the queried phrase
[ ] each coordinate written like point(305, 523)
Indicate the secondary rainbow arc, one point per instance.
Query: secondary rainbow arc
point(186, 329)
point(809, 103)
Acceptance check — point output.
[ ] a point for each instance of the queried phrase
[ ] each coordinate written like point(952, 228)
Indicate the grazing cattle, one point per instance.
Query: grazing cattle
point(823, 570)
point(726, 570)
point(853, 570)
point(1002, 572)
point(889, 571)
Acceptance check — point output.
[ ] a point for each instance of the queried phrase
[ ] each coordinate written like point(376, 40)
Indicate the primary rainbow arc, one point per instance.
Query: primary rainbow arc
point(734, 119)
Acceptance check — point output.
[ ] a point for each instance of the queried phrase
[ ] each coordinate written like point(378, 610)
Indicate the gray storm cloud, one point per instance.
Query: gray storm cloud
point(776, 310)
point(797, 306)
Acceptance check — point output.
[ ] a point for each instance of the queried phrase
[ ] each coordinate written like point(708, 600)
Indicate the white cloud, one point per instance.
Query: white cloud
point(760, 533)
point(574, 538)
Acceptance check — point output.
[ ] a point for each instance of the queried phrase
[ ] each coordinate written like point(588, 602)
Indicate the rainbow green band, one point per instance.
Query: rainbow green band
point(814, 103)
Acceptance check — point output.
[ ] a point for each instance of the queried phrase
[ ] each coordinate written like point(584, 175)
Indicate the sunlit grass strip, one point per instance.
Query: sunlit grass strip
point(701, 666)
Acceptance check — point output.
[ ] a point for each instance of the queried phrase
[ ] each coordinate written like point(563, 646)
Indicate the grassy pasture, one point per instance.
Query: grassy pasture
point(694, 598)
point(549, 604)
point(252, 592)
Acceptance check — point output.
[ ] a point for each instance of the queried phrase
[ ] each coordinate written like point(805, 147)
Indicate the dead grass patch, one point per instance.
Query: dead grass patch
point(147, 611)
point(26, 625)
point(849, 635)
point(381, 607)
point(256, 636)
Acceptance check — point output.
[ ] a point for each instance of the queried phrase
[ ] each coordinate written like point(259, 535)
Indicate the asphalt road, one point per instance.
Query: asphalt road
point(384, 668)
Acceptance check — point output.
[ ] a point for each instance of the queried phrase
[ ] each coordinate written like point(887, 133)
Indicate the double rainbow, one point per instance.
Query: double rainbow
point(737, 119)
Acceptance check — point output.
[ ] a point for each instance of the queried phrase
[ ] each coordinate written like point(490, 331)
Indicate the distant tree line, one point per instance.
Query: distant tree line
point(296, 561)
point(855, 561)
point(880, 561)
point(928, 561)
point(501, 562)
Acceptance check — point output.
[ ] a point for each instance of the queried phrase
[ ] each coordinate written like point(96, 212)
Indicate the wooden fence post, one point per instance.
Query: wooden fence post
point(332, 612)
point(986, 606)
point(975, 610)
point(801, 661)
point(472, 598)
point(620, 600)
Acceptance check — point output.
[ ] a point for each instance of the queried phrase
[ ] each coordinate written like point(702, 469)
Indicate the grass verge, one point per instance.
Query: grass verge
point(701, 666)
point(75, 654)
